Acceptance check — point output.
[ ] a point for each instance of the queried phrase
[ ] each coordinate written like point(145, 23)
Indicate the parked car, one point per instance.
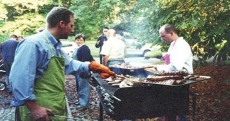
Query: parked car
point(135, 48)
point(69, 47)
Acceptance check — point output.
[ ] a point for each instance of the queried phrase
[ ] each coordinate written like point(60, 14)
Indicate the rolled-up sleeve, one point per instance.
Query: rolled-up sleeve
point(23, 72)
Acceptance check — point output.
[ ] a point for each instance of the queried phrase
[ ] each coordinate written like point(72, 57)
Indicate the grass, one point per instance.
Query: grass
point(93, 49)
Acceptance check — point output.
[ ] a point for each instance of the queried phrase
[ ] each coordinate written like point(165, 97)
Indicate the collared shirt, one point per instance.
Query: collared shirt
point(31, 61)
point(113, 48)
point(181, 57)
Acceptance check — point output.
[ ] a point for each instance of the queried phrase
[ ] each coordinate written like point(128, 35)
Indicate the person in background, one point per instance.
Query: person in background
point(8, 48)
point(37, 74)
point(113, 50)
point(20, 38)
point(179, 56)
point(83, 54)
point(40, 29)
point(101, 40)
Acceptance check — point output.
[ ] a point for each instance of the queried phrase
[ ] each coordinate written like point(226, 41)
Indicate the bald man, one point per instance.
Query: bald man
point(179, 56)
point(113, 50)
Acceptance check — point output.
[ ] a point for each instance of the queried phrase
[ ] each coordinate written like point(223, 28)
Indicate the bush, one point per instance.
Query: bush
point(153, 54)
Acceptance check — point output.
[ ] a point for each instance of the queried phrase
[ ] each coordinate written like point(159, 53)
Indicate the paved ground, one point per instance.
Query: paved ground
point(6, 112)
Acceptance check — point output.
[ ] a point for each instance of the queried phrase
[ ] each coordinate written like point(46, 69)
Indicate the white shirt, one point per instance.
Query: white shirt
point(113, 48)
point(181, 57)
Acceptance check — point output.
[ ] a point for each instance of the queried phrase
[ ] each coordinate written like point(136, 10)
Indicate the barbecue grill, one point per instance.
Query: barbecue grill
point(146, 101)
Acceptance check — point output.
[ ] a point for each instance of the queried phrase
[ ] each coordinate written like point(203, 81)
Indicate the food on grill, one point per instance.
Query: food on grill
point(193, 77)
point(119, 76)
point(116, 84)
point(188, 76)
point(115, 81)
point(168, 78)
point(108, 79)
point(165, 82)
point(126, 83)
point(178, 82)
point(172, 73)
point(163, 78)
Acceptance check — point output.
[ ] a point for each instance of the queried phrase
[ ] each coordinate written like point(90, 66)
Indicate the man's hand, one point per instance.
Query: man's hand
point(104, 75)
point(37, 112)
point(104, 71)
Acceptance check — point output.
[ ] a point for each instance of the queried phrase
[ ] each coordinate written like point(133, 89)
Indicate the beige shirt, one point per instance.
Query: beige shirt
point(113, 48)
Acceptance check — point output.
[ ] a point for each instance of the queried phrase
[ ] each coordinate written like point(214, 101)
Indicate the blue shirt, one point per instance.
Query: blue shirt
point(8, 50)
point(31, 61)
point(83, 54)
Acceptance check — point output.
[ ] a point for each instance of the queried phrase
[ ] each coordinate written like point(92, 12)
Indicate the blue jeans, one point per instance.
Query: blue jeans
point(83, 90)
point(7, 67)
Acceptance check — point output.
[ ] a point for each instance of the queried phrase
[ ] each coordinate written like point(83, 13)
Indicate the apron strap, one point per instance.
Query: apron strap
point(17, 114)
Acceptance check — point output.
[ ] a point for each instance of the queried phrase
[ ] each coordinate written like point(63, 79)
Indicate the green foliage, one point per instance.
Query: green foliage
point(204, 24)
point(92, 15)
point(22, 25)
point(17, 8)
point(20, 15)
point(153, 54)
point(3, 37)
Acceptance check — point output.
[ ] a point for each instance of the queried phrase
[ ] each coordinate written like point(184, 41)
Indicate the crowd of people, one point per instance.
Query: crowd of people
point(36, 69)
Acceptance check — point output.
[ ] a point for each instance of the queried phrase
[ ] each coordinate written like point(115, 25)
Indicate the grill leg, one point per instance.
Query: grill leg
point(101, 113)
point(194, 104)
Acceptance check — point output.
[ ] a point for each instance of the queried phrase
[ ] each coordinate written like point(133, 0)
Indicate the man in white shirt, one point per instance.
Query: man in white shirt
point(179, 56)
point(113, 50)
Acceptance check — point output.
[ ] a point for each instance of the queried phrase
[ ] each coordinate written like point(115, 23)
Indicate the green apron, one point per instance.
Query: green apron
point(49, 91)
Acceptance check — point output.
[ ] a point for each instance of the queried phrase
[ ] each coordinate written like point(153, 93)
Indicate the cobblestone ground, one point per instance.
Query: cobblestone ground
point(6, 112)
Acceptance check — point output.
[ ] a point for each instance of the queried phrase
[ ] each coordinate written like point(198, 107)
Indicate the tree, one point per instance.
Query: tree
point(92, 15)
point(20, 14)
point(205, 24)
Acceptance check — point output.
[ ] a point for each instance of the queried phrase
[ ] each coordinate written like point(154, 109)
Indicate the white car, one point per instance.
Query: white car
point(135, 48)
point(68, 47)
point(137, 51)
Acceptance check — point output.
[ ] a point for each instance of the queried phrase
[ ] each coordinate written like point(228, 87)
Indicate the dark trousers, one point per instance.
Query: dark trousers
point(100, 59)
point(7, 67)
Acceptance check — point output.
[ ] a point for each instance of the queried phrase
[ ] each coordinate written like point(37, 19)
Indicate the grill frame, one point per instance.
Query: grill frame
point(142, 102)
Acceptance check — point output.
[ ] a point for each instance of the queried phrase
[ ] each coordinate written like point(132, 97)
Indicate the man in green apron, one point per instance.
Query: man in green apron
point(37, 74)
